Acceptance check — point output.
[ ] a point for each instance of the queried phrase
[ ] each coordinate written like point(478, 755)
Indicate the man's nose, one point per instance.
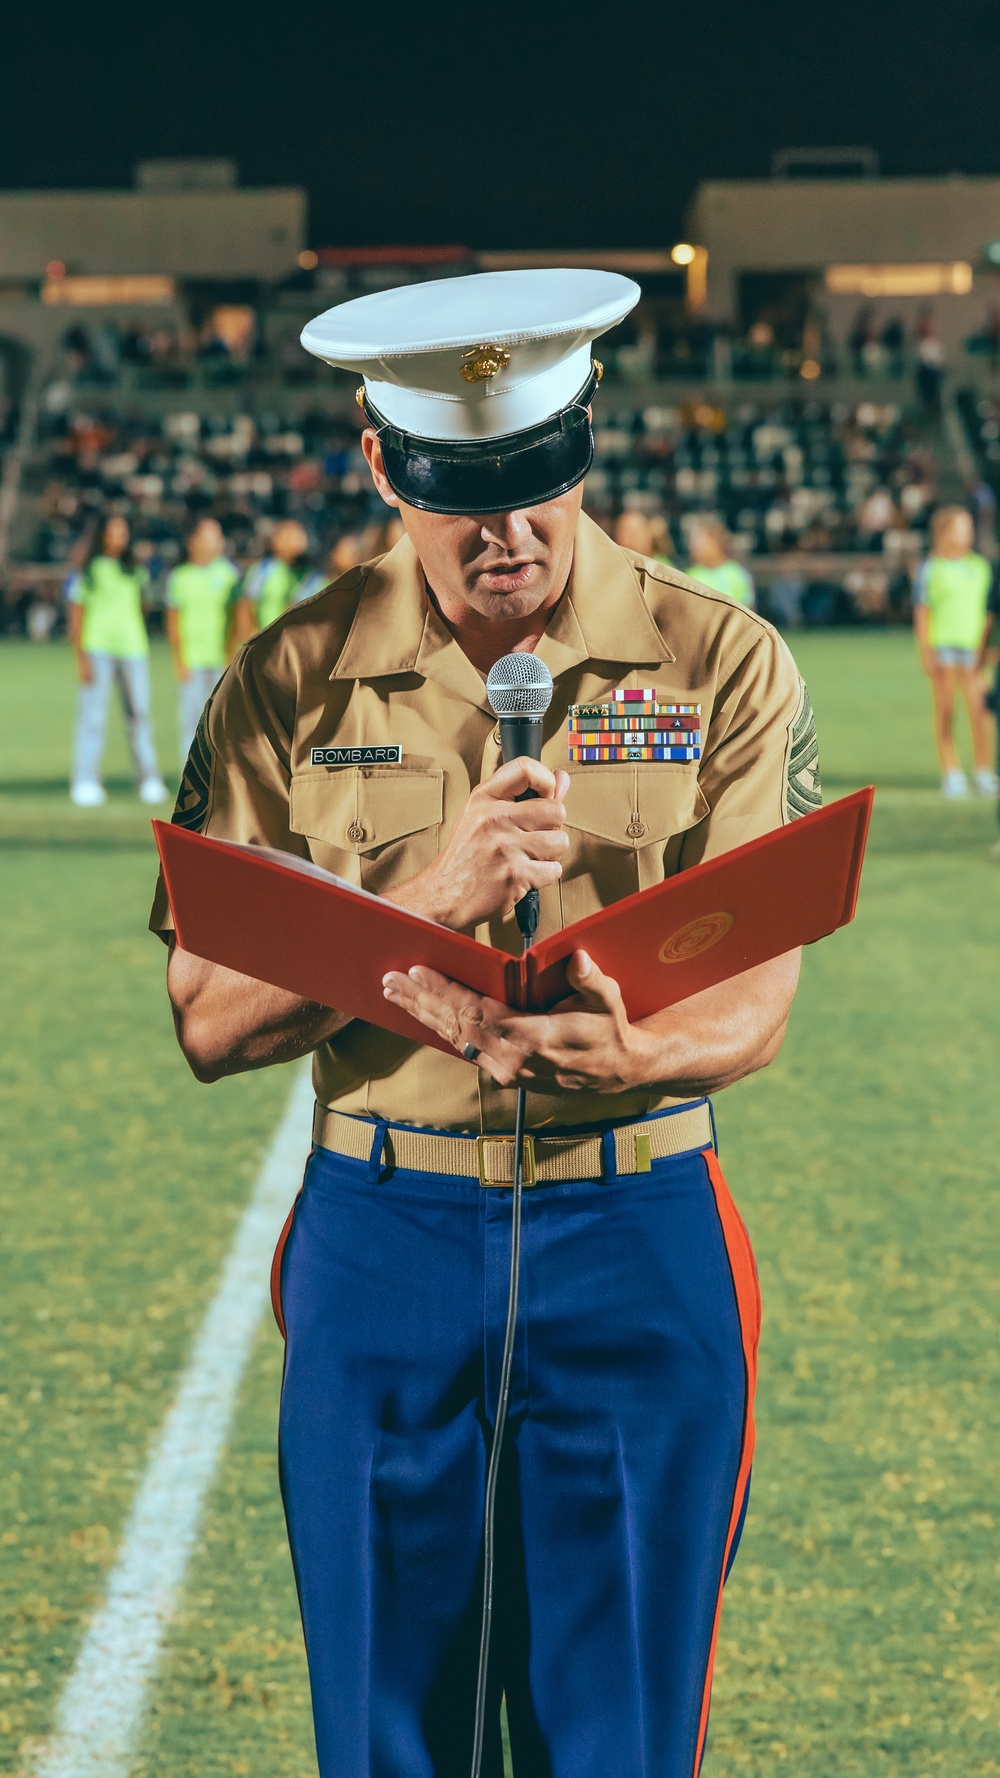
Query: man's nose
point(508, 530)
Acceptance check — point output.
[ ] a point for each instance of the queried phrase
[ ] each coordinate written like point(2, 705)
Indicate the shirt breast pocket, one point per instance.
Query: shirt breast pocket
point(375, 826)
point(626, 826)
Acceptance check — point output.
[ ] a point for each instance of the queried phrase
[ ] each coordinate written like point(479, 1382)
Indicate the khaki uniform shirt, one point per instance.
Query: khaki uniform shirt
point(369, 663)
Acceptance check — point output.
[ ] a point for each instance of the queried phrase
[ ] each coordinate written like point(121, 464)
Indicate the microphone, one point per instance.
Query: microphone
point(519, 691)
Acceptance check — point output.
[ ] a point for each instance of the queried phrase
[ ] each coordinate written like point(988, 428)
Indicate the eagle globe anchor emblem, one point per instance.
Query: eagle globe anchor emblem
point(480, 363)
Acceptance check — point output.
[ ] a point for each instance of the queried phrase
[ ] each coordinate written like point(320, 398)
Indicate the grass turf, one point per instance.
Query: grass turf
point(857, 1635)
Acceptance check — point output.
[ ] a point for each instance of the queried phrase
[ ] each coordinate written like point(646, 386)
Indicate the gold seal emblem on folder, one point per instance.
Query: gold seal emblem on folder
point(697, 936)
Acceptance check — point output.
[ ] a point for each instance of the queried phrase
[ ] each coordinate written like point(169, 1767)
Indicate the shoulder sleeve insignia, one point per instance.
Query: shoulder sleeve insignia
point(802, 786)
point(191, 807)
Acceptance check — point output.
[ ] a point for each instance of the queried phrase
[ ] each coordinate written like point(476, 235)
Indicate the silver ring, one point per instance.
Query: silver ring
point(470, 1052)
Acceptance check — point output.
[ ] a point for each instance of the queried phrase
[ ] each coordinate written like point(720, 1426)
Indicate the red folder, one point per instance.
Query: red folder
point(284, 920)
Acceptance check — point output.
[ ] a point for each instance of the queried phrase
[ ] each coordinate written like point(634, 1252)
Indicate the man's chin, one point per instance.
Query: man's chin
point(510, 606)
point(510, 595)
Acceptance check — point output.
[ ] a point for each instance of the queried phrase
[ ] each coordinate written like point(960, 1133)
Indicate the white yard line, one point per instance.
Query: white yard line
point(101, 1710)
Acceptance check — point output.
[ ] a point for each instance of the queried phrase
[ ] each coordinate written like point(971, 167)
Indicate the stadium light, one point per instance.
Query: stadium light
point(694, 261)
point(944, 278)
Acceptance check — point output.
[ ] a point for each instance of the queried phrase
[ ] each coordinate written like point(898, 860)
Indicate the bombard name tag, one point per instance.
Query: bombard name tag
point(356, 756)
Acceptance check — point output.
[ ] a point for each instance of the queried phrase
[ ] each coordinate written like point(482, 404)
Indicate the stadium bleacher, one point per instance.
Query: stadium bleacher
point(826, 486)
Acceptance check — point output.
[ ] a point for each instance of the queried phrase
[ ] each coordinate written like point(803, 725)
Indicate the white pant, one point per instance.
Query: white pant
point(132, 678)
point(192, 696)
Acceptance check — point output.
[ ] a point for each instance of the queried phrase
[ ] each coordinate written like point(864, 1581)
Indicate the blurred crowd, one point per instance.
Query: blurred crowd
point(161, 473)
point(235, 342)
point(807, 475)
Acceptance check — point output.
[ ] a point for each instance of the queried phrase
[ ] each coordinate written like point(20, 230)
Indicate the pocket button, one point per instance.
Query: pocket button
point(355, 833)
point(636, 830)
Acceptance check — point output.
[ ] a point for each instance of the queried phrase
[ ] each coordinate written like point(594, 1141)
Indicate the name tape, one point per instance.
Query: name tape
point(356, 756)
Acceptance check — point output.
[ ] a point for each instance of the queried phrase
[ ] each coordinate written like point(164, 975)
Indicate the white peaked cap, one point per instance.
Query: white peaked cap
point(476, 358)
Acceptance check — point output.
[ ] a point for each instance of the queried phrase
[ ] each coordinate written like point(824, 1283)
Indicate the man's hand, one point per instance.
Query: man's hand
point(499, 849)
point(587, 1044)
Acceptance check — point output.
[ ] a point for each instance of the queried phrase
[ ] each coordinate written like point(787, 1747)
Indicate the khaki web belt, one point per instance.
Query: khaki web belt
point(490, 1159)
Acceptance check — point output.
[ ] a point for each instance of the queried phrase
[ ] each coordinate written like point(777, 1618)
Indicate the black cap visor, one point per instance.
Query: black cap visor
point(492, 475)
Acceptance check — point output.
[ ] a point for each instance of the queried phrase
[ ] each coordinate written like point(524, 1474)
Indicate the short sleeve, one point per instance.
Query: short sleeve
point(760, 765)
point(236, 780)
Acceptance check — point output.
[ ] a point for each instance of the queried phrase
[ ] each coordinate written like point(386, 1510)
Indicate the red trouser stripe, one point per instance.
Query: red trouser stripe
point(279, 1254)
point(745, 1284)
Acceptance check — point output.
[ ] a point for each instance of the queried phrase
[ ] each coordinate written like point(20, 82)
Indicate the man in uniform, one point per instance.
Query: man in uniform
point(630, 1429)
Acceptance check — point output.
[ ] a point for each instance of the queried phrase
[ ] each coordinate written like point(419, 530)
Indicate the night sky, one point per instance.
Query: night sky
point(528, 125)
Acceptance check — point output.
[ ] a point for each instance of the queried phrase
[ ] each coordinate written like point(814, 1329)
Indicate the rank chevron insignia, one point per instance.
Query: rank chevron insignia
point(803, 793)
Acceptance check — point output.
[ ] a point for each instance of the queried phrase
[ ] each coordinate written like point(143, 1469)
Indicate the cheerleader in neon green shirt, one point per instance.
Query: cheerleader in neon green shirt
point(950, 598)
point(199, 605)
point(279, 580)
point(107, 628)
point(713, 565)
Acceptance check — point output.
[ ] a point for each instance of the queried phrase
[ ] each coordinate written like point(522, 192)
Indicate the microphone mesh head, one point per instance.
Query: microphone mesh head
point(519, 685)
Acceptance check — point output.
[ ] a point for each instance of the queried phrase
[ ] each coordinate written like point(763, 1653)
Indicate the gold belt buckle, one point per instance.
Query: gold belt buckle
point(529, 1172)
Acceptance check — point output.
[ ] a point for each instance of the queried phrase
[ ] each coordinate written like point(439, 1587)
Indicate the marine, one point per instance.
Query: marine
point(625, 1475)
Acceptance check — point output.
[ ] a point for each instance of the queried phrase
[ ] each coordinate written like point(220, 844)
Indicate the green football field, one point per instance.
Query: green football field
point(860, 1634)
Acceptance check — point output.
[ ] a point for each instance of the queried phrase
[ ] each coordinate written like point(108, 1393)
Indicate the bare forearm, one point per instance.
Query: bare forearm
point(715, 1038)
point(227, 1023)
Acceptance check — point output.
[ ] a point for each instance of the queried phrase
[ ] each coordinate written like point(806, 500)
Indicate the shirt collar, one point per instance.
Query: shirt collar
point(601, 617)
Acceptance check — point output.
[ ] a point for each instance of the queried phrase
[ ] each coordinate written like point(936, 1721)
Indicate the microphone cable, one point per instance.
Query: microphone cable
point(506, 1366)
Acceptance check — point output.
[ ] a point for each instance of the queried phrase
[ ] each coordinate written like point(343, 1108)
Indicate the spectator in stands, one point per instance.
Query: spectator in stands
point(950, 619)
point(659, 531)
point(199, 601)
point(893, 345)
point(107, 628)
point(876, 515)
point(346, 553)
point(712, 562)
point(278, 580)
point(930, 362)
point(862, 339)
point(633, 531)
